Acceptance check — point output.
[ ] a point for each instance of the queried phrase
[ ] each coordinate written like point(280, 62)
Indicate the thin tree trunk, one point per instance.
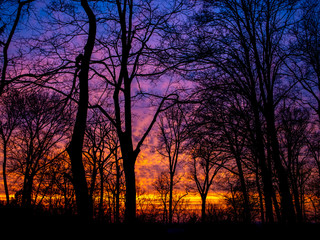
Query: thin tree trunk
point(276, 206)
point(117, 217)
point(171, 198)
point(84, 204)
point(247, 212)
point(4, 171)
point(297, 203)
point(101, 212)
point(93, 180)
point(6, 47)
point(260, 197)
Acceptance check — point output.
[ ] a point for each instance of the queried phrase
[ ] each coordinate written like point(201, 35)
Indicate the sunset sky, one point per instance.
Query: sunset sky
point(98, 98)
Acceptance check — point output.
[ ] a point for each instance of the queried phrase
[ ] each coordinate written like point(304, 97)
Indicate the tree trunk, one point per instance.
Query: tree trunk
point(130, 204)
point(297, 202)
point(288, 213)
point(171, 198)
point(276, 206)
point(203, 207)
point(4, 171)
point(84, 205)
point(260, 153)
point(3, 82)
point(118, 176)
point(260, 197)
point(247, 212)
point(78, 177)
point(76, 145)
point(101, 209)
point(27, 191)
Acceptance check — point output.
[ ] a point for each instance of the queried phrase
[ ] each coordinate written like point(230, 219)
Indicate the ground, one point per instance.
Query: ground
point(20, 224)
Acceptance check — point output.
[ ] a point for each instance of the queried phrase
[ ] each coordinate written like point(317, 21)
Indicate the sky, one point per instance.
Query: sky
point(45, 33)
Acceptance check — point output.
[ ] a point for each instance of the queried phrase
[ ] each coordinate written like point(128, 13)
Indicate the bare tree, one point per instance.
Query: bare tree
point(56, 190)
point(115, 177)
point(132, 49)
point(163, 185)
point(173, 133)
point(226, 119)
point(305, 63)
point(128, 52)
point(75, 147)
point(206, 161)
point(101, 149)
point(247, 46)
point(11, 15)
point(9, 122)
point(6, 41)
point(42, 126)
point(294, 127)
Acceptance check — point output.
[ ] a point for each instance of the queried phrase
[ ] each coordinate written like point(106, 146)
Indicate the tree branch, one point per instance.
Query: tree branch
point(159, 110)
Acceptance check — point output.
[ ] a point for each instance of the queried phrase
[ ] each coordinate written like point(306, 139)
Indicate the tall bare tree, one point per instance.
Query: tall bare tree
point(9, 122)
point(42, 126)
point(132, 49)
point(206, 162)
point(305, 64)
point(101, 149)
point(75, 147)
point(173, 133)
point(294, 127)
point(248, 50)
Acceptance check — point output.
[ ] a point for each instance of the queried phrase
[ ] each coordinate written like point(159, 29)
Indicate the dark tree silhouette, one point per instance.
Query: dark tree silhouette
point(173, 133)
point(205, 164)
point(101, 148)
point(75, 147)
point(305, 63)
point(132, 47)
point(119, 67)
point(294, 128)
point(223, 113)
point(5, 79)
point(9, 122)
point(42, 126)
point(247, 47)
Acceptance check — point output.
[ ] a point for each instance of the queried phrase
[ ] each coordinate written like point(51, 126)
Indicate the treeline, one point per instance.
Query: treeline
point(225, 91)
